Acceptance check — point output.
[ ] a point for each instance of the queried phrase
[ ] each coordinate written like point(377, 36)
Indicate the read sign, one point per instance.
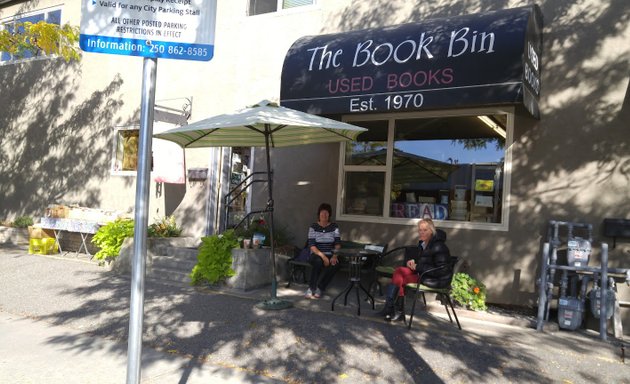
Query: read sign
point(170, 29)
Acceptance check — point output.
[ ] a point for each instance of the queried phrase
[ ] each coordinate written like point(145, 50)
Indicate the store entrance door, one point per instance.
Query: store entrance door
point(238, 199)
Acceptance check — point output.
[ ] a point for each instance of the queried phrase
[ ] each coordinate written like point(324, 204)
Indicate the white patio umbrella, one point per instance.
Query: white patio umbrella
point(269, 125)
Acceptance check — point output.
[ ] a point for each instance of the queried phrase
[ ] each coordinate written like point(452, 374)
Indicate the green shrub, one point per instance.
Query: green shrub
point(469, 292)
point(214, 260)
point(109, 238)
point(23, 222)
point(165, 227)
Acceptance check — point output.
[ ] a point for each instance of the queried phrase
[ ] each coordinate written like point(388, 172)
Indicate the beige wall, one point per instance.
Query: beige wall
point(572, 164)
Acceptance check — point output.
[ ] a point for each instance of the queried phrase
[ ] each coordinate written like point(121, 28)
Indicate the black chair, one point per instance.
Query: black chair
point(298, 265)
point(387, 262)
point(443, 293)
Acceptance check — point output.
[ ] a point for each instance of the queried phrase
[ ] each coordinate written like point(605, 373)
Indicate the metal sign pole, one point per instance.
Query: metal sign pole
point(141, 223)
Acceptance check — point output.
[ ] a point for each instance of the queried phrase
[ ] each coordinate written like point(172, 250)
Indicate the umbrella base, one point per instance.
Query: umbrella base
point(274, 304)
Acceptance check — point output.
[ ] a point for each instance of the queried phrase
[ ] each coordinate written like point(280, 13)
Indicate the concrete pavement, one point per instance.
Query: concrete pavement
point(64, 320)
point(38, 352)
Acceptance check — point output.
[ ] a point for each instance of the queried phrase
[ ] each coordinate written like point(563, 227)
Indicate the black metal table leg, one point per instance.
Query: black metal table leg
point(345, 290)
point(356, 261)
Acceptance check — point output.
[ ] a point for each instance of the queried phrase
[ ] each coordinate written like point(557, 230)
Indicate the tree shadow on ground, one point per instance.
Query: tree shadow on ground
point(294, 345)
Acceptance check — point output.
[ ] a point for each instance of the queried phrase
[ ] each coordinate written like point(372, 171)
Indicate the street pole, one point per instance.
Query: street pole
point(141, 222)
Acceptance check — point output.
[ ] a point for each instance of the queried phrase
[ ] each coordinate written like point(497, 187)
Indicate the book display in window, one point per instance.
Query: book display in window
point(485, 197)
point(459, 204)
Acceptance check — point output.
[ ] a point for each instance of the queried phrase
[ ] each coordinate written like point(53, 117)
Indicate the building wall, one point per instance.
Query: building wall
point(571, 165)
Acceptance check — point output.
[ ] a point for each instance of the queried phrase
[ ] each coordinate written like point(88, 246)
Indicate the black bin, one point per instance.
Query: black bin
point(617, 227)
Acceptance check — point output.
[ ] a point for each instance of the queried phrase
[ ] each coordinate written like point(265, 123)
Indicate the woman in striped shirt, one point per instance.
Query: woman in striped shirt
point(323, 238)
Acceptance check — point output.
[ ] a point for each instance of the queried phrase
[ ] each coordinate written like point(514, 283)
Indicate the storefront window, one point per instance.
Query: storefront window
point(366, 166)
point(447, 168)
point(365, 193)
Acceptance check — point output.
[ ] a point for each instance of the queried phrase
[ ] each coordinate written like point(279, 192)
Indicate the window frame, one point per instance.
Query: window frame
point(113, 170)
point(19, 17)
point(280, 9)
point(391, 118)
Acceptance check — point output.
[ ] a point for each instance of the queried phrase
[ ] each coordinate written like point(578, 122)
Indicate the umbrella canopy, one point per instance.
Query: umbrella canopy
point(264, 124)
point(251, 126)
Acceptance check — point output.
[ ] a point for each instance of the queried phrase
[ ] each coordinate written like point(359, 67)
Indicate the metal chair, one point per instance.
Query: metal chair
point(444, 293)
point(298, 265)
point(388, 261)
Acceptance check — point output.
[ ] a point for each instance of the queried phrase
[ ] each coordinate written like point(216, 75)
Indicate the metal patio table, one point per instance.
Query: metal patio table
point(356, 258)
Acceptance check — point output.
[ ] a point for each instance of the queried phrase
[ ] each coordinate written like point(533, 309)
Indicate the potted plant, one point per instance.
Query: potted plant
point(214, 260)
point(281, 235)
point(110, 237)
point(468, 292)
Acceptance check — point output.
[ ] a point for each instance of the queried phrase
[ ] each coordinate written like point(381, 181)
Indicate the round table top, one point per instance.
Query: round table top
point(356, 251)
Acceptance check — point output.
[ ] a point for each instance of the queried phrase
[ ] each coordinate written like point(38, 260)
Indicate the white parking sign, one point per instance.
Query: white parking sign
point(170, 29)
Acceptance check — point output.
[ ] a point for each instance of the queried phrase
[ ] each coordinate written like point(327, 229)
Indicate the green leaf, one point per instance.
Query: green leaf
point(110, 237)
point(41, 37)
point(214, 260)
point(468, 292)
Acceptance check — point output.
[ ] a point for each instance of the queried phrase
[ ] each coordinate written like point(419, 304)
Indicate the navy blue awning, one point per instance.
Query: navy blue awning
point(475, 60)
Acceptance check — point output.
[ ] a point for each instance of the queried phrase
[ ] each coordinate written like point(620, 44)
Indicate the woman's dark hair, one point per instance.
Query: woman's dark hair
point(324, 207)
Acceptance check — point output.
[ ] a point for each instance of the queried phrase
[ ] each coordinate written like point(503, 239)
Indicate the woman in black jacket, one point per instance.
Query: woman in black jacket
point(432, 253)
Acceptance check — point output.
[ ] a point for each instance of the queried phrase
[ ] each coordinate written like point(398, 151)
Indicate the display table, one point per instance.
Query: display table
point(82, 227)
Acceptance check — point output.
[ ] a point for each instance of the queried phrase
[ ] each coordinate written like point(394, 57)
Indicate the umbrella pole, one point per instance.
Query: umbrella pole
point(274, 302)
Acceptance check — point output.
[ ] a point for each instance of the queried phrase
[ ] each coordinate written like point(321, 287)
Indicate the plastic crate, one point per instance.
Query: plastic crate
point(45, 246)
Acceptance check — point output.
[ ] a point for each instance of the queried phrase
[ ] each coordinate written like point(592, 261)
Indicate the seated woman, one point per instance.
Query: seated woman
point(323, 237)
point(432, 253)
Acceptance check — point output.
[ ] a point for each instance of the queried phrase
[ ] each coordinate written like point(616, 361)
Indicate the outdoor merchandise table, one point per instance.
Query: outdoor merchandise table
point(82, 227)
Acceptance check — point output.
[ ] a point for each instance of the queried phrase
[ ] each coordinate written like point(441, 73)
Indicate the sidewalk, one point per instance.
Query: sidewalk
point(66, 321)
point(38, 352)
